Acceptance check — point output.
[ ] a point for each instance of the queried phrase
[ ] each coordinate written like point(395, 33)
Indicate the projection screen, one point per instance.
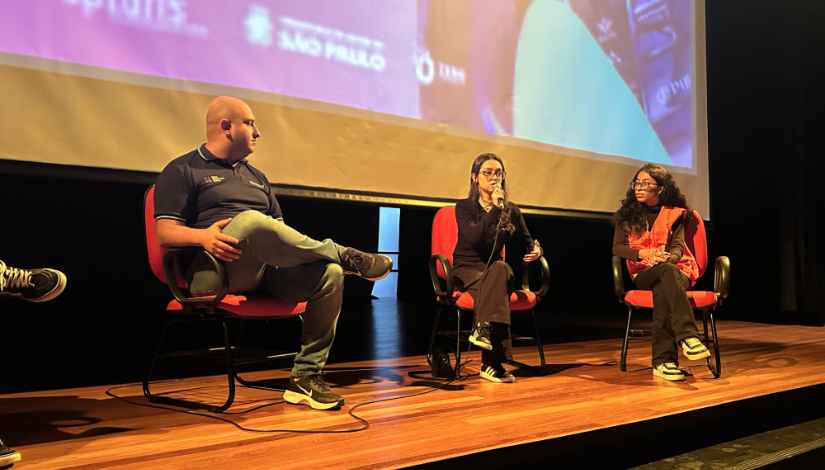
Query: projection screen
point(384, 100)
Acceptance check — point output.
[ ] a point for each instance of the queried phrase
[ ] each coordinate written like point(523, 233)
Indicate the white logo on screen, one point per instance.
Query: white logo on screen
point(157, 15)
point(315, 40)
point(426, 69)
point(258, 26)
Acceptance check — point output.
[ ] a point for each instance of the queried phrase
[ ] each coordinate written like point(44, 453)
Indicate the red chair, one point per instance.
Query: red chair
point(444, 239)
point(218, 308)
point(706, 302)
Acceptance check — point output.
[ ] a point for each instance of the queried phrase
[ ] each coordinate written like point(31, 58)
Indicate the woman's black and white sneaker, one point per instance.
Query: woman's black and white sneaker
point(481, 336)
point(8, 456)
point(669, 371)
point(371, 267)
point(694, 349)
point(313, 391)
point(496, 374)
point(34, 285)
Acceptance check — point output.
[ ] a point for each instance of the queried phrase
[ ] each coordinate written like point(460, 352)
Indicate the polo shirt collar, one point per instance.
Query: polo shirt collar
point(210, 157)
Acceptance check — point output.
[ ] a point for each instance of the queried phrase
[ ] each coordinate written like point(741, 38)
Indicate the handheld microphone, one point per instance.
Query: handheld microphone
point(501, 200)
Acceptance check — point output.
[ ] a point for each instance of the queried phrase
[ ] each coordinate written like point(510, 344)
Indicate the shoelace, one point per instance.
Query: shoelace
point(671, 365)
point(317, 382)
point(14, 277)
point(693, 342)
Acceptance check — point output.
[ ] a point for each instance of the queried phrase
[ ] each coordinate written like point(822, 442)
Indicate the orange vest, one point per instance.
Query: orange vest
point(659, 238)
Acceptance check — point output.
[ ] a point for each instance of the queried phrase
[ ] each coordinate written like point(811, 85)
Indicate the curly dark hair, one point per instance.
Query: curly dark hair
point(504, 222)
point(631, 216)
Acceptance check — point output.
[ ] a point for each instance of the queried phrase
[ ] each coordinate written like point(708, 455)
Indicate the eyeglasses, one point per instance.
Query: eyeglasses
point(489, 175)
point(645, 185)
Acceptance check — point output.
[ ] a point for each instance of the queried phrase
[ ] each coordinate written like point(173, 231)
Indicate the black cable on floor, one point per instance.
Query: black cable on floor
point(364, 423)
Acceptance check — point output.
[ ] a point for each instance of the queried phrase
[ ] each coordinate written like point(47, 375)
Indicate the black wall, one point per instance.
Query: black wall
point(764, 61)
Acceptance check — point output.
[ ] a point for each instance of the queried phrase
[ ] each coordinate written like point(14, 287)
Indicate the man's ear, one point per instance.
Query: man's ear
point(225, 125)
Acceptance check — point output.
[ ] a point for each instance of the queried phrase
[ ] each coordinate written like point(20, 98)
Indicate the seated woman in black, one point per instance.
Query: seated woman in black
point(484, 225)
point(650, 234)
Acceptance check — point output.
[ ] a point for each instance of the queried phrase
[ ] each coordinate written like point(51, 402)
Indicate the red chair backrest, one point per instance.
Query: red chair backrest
point(445, 235)
point(153, 248)
point(697, 242)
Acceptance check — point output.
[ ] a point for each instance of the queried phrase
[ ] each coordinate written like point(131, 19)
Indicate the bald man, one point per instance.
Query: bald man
point(213, 198)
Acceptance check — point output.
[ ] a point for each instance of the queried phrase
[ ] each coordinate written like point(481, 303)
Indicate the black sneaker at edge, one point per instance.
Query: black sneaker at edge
point(314, 391)
point(8, 456)
point(34, 285)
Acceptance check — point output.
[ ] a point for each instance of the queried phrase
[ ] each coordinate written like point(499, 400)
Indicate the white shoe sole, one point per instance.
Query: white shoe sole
point(298, 399)
point(696, 357)
point(7, 460)
point(506, 380)
point(481, 344)
point(670, 378)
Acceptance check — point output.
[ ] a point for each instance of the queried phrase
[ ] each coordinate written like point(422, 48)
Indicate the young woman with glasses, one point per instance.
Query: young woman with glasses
point(486, 220)
point(650, 233)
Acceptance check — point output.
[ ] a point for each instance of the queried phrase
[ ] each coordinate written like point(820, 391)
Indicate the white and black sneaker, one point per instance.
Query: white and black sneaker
point(496, 374)
point(669, 371)
point(481, 336)
point(8, 456)
point(369, 266)
point(314, 391)
point(694, 349)
point(34, 285)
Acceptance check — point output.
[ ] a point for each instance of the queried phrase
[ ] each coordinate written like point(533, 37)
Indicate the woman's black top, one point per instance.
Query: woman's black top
point(677, 241)
point(477, 230)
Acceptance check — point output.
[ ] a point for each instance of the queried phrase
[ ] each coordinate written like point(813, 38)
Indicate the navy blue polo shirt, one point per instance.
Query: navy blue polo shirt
point(201, 189)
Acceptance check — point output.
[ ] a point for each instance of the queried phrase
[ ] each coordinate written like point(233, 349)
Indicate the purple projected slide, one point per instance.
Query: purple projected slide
point(450, 61)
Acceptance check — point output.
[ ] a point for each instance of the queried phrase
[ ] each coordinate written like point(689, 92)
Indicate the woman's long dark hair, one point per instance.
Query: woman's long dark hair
point(504, 223)
point(631, 216)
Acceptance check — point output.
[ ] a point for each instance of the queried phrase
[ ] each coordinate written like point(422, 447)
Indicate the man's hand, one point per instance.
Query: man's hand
point(217, 244)
point(533, 255)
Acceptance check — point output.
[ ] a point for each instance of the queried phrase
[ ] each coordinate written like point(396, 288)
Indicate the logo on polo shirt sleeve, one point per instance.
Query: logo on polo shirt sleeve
point(213, 179)
point(256, 184)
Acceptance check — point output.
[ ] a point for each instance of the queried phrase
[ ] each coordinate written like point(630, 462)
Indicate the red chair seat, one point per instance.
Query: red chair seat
point(644, 298)
point(519, 300)
point(257, 306)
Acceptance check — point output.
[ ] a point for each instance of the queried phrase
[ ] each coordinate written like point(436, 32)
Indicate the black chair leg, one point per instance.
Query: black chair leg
point(538, 341)
point(705, 322)
point(623, 361)
point(457, 342)
point(715, 369)
point(158, 349)
point(433, 335)
point(230, 373)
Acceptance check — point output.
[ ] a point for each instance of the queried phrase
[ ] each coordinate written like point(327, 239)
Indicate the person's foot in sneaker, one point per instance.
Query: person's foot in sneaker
point(481, 336)
point(314, 391)
point(8, 456)
point(34, 285)
point(496, 374)
point(694, 349)
point(669, 371)
point(371, 267)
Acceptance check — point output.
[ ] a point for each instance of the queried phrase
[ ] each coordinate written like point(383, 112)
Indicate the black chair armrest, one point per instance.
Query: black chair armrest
point(172, 281)
point(618, 279)
point(721, 277)
point(545, 277)
point(447, 293)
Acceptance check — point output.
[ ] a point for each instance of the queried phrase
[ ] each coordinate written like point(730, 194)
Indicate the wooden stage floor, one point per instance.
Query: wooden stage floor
point(582, 391)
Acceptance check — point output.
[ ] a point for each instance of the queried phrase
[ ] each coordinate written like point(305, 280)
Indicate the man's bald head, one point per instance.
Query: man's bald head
point(230, 127)
point(224, 108)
